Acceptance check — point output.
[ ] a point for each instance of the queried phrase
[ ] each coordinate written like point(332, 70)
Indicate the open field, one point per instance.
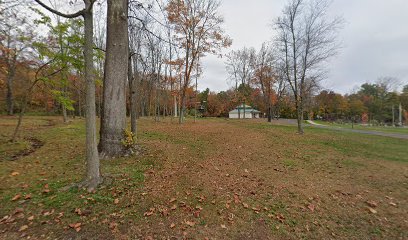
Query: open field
point(216, 179)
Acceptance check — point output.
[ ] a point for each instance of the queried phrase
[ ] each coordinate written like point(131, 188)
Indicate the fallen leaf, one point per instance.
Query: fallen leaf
point(190, 223)
point(172, 225)
point(372, 204)
point(174, 207)
point(78, 211)
point(393, 204)
point(14, 174)
point(372, 210)
point(15, 198)
point(113, 225)
point(172, 200)
point(116, 201)
point(75, 225)
point(164, 212)
point(280, 217)
point(236, 199)
point(245, 205)
point(31, 218)
point(28, 196)
point(256, 209)
point(23, 228)
point(311, 207)
point(223, 226)
point(149, 213)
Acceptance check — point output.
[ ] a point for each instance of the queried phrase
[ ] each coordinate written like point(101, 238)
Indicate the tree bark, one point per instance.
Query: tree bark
point(133, 99)
point(299, 108)
point(93, 176)
point(113, 122)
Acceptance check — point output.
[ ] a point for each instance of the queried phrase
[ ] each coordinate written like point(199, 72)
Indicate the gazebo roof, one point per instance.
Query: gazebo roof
point(248, 109)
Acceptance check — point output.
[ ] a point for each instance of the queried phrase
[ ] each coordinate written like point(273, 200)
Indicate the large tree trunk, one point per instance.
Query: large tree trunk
point(93, 176)
point(182, 107)
point(299, 111)
point(113, 122)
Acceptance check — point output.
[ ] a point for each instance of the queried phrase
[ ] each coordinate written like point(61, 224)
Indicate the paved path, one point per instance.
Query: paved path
point(385, 134)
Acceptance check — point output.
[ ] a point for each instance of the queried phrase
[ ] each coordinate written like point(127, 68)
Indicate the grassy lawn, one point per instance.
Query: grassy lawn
point(387, 129)
point(216, 179)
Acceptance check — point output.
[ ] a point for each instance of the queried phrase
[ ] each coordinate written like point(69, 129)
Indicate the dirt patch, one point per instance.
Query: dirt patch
point(34, 145)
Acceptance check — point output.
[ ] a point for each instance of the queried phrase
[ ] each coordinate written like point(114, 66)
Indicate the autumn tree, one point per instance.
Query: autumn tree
point(306, 39)
point(197, 26)
point(93, 177)
point(16, 39)
point(265, 76)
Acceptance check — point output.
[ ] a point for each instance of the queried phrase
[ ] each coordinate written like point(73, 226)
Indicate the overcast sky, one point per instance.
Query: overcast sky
point(374, 39)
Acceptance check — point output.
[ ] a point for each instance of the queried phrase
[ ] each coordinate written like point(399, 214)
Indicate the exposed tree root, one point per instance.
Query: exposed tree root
point(89, 185)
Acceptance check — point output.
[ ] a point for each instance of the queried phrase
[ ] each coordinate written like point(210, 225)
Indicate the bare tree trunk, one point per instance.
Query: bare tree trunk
point(244, 108)
point(175, 105)
point(9, 96)
point(113, 121)
point(299, 111)
point(93, 177)
point(9, 100)
point(133, 99)
point(269, 104)
point(64, 113)
point(182, 107)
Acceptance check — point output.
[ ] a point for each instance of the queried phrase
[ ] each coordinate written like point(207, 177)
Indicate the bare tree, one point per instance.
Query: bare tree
point(240, 66)
point(306, 39)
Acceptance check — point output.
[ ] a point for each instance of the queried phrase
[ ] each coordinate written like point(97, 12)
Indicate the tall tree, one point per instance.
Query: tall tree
point(240, 66)
point(16, 39)
point(93, 177)
point(264, 76)
point(113, 117)
point(306, 39)
point(197, 25)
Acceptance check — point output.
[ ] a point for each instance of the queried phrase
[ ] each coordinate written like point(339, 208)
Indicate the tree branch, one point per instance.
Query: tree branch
point(73, 15)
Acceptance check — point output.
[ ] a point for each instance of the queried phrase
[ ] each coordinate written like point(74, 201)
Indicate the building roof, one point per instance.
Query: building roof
point(240, 109)
point(242, 106)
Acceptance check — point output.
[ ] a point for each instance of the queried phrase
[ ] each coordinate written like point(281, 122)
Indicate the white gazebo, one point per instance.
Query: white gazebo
point(244, 111)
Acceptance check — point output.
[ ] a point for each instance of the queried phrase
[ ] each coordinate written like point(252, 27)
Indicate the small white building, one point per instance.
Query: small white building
point(244, 111)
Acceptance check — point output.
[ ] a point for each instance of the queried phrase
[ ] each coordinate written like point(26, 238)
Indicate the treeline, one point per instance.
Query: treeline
point(372, 103)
